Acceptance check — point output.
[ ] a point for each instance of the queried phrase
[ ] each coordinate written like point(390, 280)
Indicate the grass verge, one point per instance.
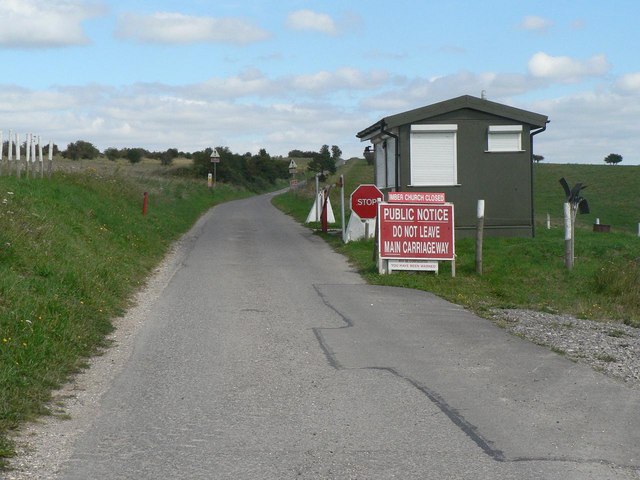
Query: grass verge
point(73, 250)
point(529, 272)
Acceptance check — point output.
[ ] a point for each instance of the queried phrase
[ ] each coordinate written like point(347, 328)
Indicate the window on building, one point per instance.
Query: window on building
point(434, 155)
point(381, 171)
point(385, 163)
point(505, 138)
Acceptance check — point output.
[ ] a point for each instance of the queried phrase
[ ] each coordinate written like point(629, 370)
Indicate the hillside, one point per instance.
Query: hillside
point(612, 193)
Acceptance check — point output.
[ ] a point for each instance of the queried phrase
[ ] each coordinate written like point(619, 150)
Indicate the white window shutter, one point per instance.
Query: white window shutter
point(505, 138)
point(433, 155)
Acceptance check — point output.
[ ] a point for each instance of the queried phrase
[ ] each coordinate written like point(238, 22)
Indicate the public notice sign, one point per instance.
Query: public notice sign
point(416, 231)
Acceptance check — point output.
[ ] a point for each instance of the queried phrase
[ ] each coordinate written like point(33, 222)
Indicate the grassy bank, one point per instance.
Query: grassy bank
point(530, 272)
point(73, 250)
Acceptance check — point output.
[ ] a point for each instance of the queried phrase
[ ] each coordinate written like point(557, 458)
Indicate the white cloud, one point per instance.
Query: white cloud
point(253, 110)
point(418, 92)
point(586, 127)
point(45, 23)
point(629, 83)
point(535, 23)
point(176, 28)
point(255, 84)
point(314, 21)
point(341, 79)
point(251, 82)
point(567, 69)
point(14, 99)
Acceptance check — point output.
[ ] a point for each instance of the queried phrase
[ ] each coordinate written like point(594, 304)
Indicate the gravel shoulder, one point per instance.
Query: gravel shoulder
point(610, 348)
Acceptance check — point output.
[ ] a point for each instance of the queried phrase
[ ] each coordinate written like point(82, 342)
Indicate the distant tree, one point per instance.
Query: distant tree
point(112, 154)
point(45, 150)
point(323, 162)
point(302, 154)
point(134, 155)
point(80, 149)
point(537, 158)
point(336, 153)
point(325, 152)
point(613, 158)
point(166, 158)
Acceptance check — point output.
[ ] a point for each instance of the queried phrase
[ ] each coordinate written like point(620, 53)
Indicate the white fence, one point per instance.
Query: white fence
point(32, 163)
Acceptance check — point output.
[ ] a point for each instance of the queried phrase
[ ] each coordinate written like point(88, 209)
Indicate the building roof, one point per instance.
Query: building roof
point(536, 120)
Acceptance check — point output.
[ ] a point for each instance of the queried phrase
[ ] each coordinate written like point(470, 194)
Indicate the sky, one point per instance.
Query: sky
point(293, 74)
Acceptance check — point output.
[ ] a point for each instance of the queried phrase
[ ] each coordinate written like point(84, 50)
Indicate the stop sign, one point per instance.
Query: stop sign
point(365, 199)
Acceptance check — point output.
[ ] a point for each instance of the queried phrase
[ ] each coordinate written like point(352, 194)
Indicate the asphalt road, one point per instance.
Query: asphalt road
point(267, 357)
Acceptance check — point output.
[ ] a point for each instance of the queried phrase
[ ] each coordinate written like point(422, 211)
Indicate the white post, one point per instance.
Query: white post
point(568, 253)
point(50, 166)
point(317, 198)
point(33, 155)
point(548, 222)
point(639, 229)
point(10, 152)
point(479, 237)
point(597, 221)
point(27, 147)
point(40, 159)
point(18, 169)
point(342, 206)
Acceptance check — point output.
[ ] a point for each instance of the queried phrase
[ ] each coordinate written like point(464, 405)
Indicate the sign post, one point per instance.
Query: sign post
point(215, 159)
point(415, 236)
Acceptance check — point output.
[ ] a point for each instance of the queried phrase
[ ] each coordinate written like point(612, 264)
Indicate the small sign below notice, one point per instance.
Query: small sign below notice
point(412, 265)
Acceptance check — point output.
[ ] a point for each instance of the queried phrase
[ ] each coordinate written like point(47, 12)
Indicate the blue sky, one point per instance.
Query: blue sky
point(293, 74)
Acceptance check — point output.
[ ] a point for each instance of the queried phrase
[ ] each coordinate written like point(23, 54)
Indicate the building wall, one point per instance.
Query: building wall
point(502, 179)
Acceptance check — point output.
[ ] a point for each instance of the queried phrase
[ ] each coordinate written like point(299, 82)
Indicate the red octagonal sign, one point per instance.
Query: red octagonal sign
point(365, 199)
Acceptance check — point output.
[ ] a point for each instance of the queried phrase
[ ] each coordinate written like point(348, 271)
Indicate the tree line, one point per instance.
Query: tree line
point(255, 172)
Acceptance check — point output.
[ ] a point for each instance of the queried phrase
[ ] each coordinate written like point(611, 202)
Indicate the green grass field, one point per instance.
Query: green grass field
point(73, 250)
point(529, 272)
